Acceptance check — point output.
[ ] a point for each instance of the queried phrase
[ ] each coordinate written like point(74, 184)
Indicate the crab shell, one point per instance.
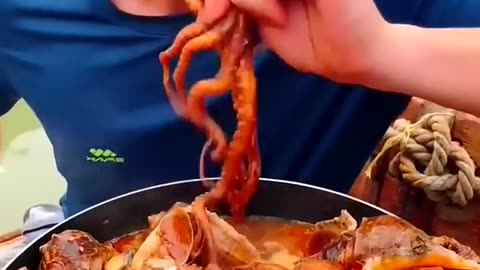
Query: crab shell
point(74, 250)
point(387, 242)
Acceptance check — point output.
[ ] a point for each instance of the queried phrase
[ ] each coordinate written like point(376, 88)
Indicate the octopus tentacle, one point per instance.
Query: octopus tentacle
point(199, 116)
point(246, 192)
point(207, 41)
point(246, 114)
point(189, 32)
point(208, 184)
point(220, 85)
point(196, 107)
point(204, 89)
point(231, 37)
point(238, 149)
point(230, 170)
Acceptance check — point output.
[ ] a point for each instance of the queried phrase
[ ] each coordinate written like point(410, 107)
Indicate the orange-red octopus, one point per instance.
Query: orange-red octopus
point(232, 37)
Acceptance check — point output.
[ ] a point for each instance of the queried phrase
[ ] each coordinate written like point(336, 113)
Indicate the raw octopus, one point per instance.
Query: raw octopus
point(232, 38)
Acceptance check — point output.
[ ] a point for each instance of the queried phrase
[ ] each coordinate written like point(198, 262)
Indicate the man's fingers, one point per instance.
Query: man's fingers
point(268, 11)
point(214, 10)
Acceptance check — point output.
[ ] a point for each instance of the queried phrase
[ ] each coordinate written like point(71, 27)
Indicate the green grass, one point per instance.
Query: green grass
point(19, 120)
point(30, 176)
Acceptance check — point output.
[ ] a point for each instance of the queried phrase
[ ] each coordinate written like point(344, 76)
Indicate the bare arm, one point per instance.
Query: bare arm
point(441, 65)
point(349, 41)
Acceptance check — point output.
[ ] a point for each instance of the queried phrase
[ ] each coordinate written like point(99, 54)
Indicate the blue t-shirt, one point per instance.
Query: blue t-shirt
point(91, 75)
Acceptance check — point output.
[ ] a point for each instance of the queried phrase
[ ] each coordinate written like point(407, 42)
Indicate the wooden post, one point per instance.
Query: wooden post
point(461, 223)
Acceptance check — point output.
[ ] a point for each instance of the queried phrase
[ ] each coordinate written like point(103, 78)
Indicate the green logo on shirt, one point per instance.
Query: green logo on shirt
point(98, 155)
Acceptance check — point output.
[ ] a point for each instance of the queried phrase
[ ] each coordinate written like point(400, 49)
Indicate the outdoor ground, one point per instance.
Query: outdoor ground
point(28, 174)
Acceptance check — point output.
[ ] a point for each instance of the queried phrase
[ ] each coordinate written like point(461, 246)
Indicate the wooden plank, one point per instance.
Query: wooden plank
point(10, 235)
point(413, 110)
point(467, 130)
point(11, 240)
point(461, 223)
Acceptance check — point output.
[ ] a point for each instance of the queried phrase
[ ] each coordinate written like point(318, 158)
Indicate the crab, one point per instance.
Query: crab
point(74, 250)
point(388, 242)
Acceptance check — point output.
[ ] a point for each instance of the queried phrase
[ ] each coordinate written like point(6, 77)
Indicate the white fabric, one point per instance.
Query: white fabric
point(39, 216)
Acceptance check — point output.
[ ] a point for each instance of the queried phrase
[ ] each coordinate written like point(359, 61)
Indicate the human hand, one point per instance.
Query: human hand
point(333, 38)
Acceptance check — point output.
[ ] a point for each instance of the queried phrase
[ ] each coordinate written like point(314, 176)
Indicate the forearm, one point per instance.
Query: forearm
point(441, 65)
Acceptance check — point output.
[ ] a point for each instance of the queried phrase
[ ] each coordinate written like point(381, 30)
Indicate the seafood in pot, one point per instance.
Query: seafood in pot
point(176, 241)
point(388, 242)
point(193, 237)
point(73, 249)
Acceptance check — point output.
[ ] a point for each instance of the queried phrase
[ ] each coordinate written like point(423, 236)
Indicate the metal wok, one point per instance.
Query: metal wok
point(127, 213)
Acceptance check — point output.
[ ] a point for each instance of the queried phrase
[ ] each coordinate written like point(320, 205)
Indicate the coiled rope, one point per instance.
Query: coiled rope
point(426, 157)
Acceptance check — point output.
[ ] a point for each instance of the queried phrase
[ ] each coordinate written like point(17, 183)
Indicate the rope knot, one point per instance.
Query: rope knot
point(426, 157)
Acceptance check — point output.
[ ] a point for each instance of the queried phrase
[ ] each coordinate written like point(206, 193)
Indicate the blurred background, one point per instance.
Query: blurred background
point(28, 174)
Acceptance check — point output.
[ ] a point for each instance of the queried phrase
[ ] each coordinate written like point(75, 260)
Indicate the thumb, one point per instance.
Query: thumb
point(213, 10)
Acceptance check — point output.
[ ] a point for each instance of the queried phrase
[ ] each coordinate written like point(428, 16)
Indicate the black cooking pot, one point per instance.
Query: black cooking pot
point(129, 212)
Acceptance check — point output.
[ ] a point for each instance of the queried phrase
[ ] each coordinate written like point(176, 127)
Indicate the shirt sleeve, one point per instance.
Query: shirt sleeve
point(8, 96)
point(449, 13)
point(432, 13)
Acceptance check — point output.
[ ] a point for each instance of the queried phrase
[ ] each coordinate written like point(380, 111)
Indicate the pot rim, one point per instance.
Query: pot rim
point(287, 182)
